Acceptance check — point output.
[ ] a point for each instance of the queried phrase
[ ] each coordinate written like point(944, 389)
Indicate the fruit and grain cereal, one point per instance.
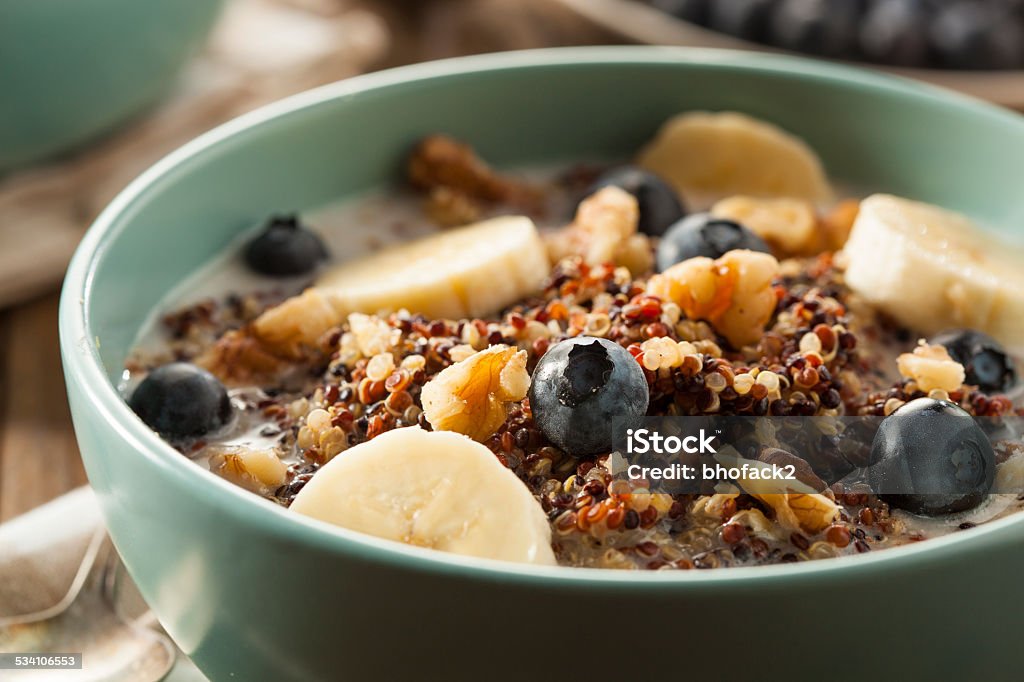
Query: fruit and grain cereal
point(454, 388)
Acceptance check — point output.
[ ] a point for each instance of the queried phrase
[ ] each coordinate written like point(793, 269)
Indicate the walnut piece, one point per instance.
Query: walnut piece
point(471, 396)
point(282, 336)
point(809, 512)
point(931, 368)
point(796, 505)
point(440, 161)
point(297, 324)
point(257, 470)
point(734, 293)
point(605, 231)
point(238, 358)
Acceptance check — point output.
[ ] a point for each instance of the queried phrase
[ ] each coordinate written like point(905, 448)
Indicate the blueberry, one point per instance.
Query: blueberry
point(746, 19)
point(973, 35)
point(694, 11)
point(931, 457)
point(285, 248)
point(704, 235)
point(895, 32)
point(821, 27)
point(987, 364)
point(579, 385)
point(660, 207)
point(180, 400)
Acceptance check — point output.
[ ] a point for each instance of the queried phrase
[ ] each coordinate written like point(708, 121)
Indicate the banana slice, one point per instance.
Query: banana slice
point(432, 489)
point(931, 269)
point(467, 272)
point(710, 156)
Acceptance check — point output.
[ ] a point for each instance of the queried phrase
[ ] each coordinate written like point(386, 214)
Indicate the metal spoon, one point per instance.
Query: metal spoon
point(102, 617)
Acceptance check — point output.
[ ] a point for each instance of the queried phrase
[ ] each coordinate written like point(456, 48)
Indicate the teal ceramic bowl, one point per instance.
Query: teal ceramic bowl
point(73, 69)
point(252, 592)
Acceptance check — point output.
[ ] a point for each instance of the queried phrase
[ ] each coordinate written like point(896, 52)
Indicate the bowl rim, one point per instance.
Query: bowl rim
point(80, 352)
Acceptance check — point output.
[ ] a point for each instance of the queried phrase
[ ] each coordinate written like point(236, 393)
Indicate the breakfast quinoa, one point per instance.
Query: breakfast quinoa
point(768, 325)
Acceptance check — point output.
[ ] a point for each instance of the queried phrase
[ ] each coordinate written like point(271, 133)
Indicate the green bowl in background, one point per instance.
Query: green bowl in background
point(73, 69)
point(252, 592)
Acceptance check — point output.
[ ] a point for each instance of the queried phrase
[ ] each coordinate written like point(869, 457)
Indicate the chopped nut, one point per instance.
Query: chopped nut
point(257, 470)
point(297, 324)
point(471, 396)
point(283, 335)
point(699, 286)
point(1010, 475)
point(790, 226)
point(440, 161)
point(809, 512)
point(796, 505)
point(753, 298)
point(733, 293)
point(605, 231)
point(238, 358)
point(635, 254)
point(931, 368)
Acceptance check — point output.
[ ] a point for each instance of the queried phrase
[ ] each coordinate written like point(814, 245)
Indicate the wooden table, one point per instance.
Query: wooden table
point(38, 455)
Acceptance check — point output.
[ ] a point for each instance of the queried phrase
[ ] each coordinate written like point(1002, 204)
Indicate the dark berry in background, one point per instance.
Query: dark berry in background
point(940, 34)
point(747, 19)
point(694, 11)
point(977, 35)
point(821, 27)
point(285, 248)
point(896, 32)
